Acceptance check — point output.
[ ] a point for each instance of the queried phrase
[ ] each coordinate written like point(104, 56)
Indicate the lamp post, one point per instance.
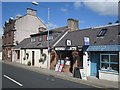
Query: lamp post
point(48, 17)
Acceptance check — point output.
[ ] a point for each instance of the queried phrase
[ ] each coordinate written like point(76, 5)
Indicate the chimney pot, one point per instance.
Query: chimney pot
point(41, 29)
point(31, 11)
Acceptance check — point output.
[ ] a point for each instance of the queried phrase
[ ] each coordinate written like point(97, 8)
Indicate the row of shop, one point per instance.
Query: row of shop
point(94, 49)
point(98, 63)
point(103, 64)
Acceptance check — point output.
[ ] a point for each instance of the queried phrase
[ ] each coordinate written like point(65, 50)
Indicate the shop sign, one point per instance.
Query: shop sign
point(86, 41)
point(80, 48)
point(72, 48)
point(60, 48)
point(68, 42)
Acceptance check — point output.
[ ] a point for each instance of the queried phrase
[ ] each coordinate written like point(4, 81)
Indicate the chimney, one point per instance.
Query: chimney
point(31, 11)
point(72, 24)
point(41, 29)
point(18, 16)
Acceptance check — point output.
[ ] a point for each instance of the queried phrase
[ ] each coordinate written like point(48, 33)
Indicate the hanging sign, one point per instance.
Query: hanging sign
point(86, 41)
point(68, 42)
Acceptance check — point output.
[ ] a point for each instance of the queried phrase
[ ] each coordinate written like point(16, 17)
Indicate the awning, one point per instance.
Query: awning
point(104, 48)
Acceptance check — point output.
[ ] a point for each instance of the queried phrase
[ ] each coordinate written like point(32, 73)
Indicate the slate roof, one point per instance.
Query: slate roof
point(23, 43)
point(50, 31)
point(26, 43)
point(110, 38)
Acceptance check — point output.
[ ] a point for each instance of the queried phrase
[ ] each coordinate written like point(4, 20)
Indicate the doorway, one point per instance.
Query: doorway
point(33, 58)
point(95, 64)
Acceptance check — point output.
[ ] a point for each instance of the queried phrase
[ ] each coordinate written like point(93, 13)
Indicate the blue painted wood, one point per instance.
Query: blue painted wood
point(104, 48)
point(95, 64)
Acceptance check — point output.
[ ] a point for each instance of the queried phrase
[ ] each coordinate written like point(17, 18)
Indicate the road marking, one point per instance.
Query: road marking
point(13, 80)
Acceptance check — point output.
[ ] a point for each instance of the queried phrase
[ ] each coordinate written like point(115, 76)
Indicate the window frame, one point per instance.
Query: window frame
point(102, 33)
point(33, 39)
point(40, 38)
point(50, 37)
point(109, 63)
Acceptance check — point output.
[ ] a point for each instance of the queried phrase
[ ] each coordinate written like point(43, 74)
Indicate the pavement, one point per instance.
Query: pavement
point(91, 81)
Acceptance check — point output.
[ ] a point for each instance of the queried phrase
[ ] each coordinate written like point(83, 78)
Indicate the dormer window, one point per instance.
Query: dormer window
point(33, 39)
point(40, 39)
point(102, 33)
point(50, 37)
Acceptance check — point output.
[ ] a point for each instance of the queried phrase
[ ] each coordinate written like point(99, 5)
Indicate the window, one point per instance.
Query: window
point(40, 39)
point(50, 37)
point(33, 39)
point(9, 53)
point(109, 62)
point(102, 32)
point(18, 54)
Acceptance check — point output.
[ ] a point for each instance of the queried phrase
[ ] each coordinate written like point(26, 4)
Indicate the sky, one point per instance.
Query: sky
point(89, 14)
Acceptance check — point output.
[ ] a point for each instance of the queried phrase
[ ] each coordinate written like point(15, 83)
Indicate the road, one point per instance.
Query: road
point(15, 77)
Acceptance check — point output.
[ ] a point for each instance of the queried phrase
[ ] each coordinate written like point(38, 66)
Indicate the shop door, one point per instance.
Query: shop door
point(95, 62)
point(33, 59)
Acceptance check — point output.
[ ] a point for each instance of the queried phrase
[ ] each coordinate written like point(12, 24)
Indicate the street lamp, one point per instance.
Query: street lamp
point(48, 17)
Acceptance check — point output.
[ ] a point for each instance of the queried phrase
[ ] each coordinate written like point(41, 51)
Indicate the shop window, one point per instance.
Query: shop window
point(114, 58)
point(105, 58)
point(109, 62)
point(102, 32)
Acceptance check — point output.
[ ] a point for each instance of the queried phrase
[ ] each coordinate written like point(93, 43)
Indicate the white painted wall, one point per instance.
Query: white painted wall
point(38, 56)
point(108, 76)
point(27, 25)
point(37, 53)
point(0, 55)
point(86, 64)
point(14, 56)
point(27, 59)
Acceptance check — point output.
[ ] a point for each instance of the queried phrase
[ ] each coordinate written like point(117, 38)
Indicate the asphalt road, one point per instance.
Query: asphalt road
point(14, 77)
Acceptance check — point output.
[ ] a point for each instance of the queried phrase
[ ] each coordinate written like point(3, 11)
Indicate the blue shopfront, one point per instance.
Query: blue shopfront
point(104, 61)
